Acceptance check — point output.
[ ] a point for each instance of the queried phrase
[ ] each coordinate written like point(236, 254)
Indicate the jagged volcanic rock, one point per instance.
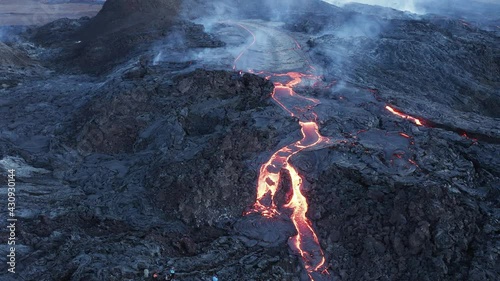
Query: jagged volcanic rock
point(10, 57)
point(117, 16)
point(122, 29)
point(15, 65)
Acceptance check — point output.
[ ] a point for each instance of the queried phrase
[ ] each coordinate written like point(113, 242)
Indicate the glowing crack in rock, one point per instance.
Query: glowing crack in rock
point(404, 116)
point(247, 47)
point(306, 241)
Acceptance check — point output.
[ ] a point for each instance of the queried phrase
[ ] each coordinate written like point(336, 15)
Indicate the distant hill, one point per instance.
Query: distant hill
point(117, 15)
point(37, 12)
point(76, 1)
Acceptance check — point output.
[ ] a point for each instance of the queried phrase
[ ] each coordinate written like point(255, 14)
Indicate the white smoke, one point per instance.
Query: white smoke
point(463, 8)
point(157, 58)
point(404, 5)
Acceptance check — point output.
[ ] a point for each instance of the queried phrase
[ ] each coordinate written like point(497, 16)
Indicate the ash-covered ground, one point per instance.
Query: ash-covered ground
point(137, 146)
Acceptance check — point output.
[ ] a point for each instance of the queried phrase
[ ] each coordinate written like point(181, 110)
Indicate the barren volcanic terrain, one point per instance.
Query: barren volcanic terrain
point(35, 12)
point(250, 140)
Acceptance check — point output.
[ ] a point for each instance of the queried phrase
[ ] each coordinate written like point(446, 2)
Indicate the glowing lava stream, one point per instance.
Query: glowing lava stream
point(306, 241)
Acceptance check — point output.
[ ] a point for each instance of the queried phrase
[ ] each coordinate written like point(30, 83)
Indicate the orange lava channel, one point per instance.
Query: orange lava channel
point(270, 172)
point(306, 241)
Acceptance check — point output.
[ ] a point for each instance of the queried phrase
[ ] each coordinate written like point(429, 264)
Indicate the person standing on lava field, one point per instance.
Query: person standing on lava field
point(215, 278)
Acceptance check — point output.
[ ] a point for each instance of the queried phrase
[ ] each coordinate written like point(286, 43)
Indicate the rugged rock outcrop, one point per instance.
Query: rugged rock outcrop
point(119, 16)
point(10, 57)
point(121, 30)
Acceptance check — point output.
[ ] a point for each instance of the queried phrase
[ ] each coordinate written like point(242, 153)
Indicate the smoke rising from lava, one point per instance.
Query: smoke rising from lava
point(462, 8)
point(408, 5)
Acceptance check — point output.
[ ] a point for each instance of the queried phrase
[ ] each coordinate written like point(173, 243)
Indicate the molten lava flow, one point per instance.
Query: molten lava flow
point(306, 241)
point(270, 171)
point(404, 116)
